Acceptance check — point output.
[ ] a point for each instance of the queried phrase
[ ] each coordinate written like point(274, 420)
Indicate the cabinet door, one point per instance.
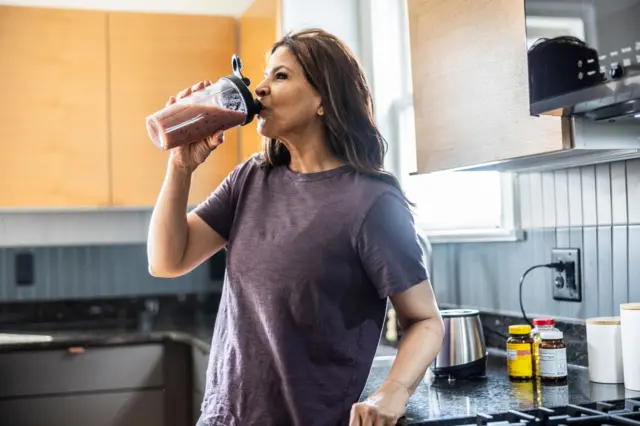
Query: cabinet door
point(470, 87)
point(53, 111)
point(152, 57)
point(129, 408)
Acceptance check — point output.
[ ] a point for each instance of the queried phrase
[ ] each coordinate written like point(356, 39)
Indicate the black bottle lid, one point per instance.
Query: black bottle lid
point(242, 83)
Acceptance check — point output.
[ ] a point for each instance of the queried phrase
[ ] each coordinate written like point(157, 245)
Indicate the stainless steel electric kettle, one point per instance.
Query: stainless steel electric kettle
point(464, 352)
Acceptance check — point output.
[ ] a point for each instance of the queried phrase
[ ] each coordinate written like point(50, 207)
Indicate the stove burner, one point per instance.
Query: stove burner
point(624, 412)
point(632, 405)
point(605, 407)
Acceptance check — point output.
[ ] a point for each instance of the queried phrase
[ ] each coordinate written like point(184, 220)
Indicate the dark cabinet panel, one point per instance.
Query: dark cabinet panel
point(134, 408)
point(47, 372)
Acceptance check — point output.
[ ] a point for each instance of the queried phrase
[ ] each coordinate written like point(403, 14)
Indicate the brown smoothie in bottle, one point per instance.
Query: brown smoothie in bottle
point(181, 124)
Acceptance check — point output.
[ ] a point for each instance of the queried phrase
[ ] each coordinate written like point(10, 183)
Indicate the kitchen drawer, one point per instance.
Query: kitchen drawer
point(57, 371)
point(131, 408)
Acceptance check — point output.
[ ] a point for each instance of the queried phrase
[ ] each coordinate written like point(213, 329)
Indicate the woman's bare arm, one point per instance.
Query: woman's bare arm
point(178, 242)
point(423, 332)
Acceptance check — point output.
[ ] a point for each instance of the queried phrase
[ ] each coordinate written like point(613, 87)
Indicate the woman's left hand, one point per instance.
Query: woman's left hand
point(383, 408)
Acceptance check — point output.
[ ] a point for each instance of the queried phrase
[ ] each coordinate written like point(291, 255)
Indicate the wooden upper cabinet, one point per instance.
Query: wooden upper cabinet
point(53, 127)
point(152, 57)
point(260, 28)
point(470, 85)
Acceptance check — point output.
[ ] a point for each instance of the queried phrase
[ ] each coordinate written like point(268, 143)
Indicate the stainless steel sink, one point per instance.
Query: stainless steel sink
point(8, 339)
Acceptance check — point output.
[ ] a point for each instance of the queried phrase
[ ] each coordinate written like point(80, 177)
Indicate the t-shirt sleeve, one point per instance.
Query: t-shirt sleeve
point(388, 246)
point(218, 209)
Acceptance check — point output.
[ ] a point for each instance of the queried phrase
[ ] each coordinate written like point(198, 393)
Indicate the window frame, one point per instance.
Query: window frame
point(510, 226)
point(509, 229)
point(389, 120)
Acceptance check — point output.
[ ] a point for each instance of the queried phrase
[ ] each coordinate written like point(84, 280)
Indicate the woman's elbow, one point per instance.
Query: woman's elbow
point(431, 322)
point(154, 271)
point(438, 323)
point(158, 266)
point(438, 328)
point(158, 272)
point(434, 326)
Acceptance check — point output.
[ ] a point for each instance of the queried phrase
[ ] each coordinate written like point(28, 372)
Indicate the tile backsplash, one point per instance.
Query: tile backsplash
point(76, 272)
point(594, 208)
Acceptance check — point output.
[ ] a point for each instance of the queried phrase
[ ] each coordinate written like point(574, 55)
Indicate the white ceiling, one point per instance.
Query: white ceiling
point(203, 7)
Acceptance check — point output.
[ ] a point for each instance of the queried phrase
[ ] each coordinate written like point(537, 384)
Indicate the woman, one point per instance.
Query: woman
point(318, 236)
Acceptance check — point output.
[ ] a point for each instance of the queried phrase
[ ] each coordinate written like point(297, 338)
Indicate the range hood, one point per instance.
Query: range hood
point(583, 58)
point(591, 143)
point(615, 99)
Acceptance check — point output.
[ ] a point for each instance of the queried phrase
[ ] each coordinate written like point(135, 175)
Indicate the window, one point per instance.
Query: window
point(548, 27)
point(450, 206)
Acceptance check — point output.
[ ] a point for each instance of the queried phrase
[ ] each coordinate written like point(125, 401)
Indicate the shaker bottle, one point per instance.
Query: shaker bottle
point(220, 106)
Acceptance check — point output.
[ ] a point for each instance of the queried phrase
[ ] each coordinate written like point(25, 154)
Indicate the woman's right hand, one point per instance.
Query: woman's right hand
point(192, 155)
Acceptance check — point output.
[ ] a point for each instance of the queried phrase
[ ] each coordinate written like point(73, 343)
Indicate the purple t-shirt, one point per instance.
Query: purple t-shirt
point(311, 260)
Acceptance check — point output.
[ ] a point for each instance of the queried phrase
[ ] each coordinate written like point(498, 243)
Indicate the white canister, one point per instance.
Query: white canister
point(630, 328)
point(604, 350)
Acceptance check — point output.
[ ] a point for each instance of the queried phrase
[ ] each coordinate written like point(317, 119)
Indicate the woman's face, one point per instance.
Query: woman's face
point(290, 103)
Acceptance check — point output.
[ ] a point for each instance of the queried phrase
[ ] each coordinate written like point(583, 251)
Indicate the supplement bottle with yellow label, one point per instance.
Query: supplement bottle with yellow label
point(520, 352)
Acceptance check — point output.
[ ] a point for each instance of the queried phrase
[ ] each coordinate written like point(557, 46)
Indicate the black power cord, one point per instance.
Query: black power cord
point(558, 266)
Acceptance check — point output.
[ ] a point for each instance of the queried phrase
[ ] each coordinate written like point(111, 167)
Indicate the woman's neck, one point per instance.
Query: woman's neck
point(310, 154)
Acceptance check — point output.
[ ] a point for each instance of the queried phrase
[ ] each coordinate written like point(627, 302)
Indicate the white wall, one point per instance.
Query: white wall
point(198, 7)
point(339, 17)
point(391, 74)
point(73, 228)
point(357, 23)
point(348, 20)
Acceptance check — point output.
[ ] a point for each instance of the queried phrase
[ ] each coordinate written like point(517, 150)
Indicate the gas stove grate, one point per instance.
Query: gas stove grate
point(624, 412)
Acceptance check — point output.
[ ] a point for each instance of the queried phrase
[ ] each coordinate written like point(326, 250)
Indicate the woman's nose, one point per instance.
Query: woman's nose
point(262, 90)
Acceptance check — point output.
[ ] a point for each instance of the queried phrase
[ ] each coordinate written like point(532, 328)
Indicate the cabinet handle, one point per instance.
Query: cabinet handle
point(76, 350)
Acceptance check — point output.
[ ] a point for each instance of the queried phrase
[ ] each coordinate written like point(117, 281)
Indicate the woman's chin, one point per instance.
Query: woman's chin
point(264, 130)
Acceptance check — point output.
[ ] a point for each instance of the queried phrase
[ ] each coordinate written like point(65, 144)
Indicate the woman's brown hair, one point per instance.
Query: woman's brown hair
point(335, 73)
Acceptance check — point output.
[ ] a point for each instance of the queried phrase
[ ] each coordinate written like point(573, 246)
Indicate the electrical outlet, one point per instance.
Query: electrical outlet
point(24, 269)
point(567, 285)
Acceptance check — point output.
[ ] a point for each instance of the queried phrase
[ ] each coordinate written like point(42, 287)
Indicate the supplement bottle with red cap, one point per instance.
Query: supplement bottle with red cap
point(540, 325)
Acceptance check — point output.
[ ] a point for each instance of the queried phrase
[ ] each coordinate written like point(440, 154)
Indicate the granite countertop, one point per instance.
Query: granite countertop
point(434, 399)
point(495, 393)
point(198, 336)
